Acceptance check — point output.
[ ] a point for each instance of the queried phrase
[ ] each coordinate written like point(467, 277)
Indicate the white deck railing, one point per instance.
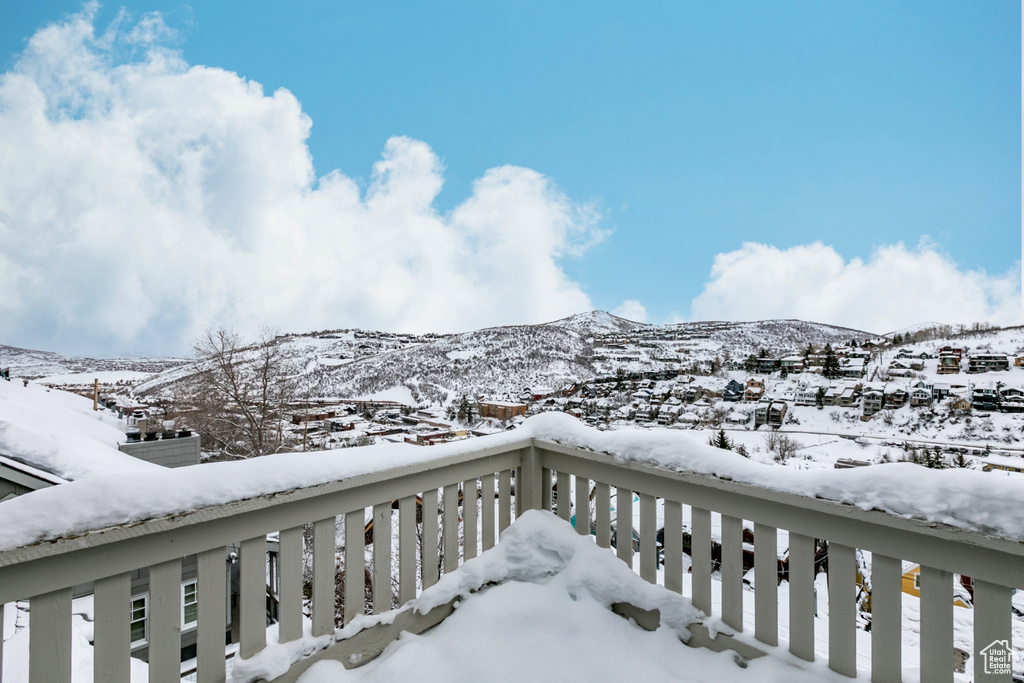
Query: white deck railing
point(45, 573)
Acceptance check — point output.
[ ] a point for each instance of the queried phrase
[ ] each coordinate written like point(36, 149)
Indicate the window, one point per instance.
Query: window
point(139, 620)
point(917, 581)
point(189, 605)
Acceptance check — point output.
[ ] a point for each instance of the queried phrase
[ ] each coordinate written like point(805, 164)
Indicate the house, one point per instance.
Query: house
point(1011, 400)
point(668, 413)
point(766, 366)
point(831, 397)
point(754, 390)
point(940, 391)
point(920, 397)
point(985, 397)
point(872, 401)
point(501, 410)
point(769, 412)
point(895, 397)
point(988, 363)
point(1019, 361)
point(899, 368)
point(848, 396)
point(961, 403)
point(948, 364)
point(792, 363)
point(733, 391)
point(806, 394)
point(1003, 463)
point(853, 367)
point(957, 351)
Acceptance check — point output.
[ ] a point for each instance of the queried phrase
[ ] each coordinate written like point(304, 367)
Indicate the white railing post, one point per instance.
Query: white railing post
point(648, 534)
point(290, 609)
point(842, 609)
point(504, 500)
point(212, 594)
point(545, 489)
point(382, 557)
point(355, 569)
point(563, 504)
point(324, 570)
point(732, 572)
point(487, 511)
point(429, 548)
point(674, 546)
point(406, 549)
point(111, 623)
point(450, 532)
point(252, 603)
point(886, 619)
point(49, 637)
point(603, 514)
point(992, 630)
point(801, 596)
point(623, 524)
point(700, 559)
point(529, 482)
point(766, 584)
point(936, 625)
point(165, 621)
point(469, 531)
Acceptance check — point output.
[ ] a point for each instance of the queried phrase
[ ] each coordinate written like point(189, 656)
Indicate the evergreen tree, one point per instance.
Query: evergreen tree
point(750, 363)
point(819, 398)
point(742, 450)
point(720, 440)
point(783, 373)
point(831, 368)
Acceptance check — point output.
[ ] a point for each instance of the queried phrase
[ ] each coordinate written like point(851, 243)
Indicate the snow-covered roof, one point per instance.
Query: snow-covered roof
point(58, 432)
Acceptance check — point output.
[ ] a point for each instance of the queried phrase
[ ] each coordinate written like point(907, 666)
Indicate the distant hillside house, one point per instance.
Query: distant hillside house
point(988, 363)
point(949, 364)
point(501, 410)
point(754, 389)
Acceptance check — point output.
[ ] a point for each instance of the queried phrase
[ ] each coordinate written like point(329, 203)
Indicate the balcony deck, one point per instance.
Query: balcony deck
point(704, 499)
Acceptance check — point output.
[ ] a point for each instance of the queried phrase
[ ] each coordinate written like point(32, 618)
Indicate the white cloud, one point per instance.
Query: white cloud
point(142, 199)
point(894, 288)
point(631, 309)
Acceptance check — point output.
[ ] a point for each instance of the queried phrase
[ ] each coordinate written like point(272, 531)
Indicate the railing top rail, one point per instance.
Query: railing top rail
point(153, 517)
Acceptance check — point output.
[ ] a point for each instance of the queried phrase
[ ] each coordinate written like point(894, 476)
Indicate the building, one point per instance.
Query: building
point(872, 401)
point(988, 363)
point(949, 364)
point(501, 410)
point(754, 390)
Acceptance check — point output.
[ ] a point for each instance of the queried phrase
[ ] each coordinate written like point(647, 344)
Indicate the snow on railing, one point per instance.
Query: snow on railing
point(702, 497)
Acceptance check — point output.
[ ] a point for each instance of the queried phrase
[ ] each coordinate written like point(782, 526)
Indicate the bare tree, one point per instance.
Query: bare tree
point(241, 391)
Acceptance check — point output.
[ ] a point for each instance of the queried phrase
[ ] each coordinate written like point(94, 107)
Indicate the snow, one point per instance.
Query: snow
point(536, 607)
point(58, 432)
point(104, 376)
point(962, 498)
point(399, 394)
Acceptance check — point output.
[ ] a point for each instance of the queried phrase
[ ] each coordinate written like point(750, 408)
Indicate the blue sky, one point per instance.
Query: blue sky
point(676, 132)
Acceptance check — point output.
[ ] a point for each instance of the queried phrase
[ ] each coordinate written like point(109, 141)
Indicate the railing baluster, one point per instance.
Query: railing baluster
point(732, 572)
point(469, 535)
point(766, 584)
point(504, 500)
point(325, 568)
point(290, 578)
point(624, 525)
point(545, 489)
point(430, 538)
point(842, 609)
point(355, 565)
point(112, 612)
point(406, 549)
point(165, 621)
point(211, 591)
point(674, 546)
point(801, 596)
point(49, 645)
point(992, 624)
point(451, 528)
point(563, 502)
point(381, 557)
point(936, 625)
point(648, 538)
point(886, 619)
point(582, 506)
point(603, 514)
point(487, 511)
point(520, 493)
point(700, 558)
point(253, 600)
point(1, 642)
